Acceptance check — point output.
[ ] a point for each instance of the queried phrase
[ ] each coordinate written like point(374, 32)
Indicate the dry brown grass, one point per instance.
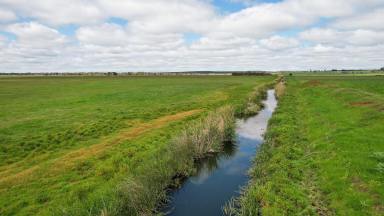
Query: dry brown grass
point(208, 134)
point(313, 83)
point(361, 103)
point(280, 89)
point(141, 128)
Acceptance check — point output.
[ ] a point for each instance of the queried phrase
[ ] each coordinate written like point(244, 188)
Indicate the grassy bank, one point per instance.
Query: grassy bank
point(323, 151)
point(95, 145)
point(253, 103)
point(199, 138)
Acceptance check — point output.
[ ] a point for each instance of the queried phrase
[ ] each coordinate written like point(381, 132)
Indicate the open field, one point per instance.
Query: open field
point(324, 150)
point(111, 145)
point(68, 143)
point(337, 73)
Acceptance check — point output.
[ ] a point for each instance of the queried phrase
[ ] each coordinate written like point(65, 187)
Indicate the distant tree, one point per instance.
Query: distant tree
point(382, 68)
point(290, 74)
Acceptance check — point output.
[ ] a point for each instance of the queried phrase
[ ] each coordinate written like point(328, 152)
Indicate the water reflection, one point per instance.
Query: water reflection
point(219, 177)
point(254, 128)
point(205, 166)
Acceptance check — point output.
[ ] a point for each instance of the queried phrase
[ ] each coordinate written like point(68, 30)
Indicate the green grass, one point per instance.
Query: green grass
point(336, 73)
point(95, 145)
point(323, 150)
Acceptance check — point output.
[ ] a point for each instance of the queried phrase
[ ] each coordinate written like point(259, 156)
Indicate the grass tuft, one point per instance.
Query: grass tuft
point(207, 135)
point(140, 196)
point(280, 87)
point(254, 102)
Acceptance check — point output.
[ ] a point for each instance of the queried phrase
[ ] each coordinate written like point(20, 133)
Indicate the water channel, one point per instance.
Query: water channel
point(219, 178)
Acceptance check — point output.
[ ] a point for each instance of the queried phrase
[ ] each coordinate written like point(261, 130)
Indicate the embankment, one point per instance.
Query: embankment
point(140, 196)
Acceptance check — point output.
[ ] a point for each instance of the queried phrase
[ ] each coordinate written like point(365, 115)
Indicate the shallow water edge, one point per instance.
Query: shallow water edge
point(219, 177)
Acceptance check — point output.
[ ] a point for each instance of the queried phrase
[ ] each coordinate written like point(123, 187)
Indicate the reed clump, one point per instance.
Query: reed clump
point(207, 135)
point(280, 87)
point(141, 195)
point(254, 102)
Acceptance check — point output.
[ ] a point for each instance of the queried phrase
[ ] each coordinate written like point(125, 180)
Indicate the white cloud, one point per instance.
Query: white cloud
point(366, 37)
point(56, 12)
point(6, 15)
point(210, 44)
point(36, 34)
point(277, 43)
point(36, 47)
point(266, 19)
point(3, 41)
point(259, 21)
point(342, 38)
point(319, 48)
point(322, 35)
point(149, 15)
point(331, 8)
point(153, 37)
point(105, 34)
point(162, 16)
point(111, 36)
point(370, 20)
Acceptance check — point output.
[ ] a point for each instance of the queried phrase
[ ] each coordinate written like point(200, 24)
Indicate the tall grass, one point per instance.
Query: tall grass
point(207, 135)
point(280, 87)
point(254, 102)
point(141, 195)
point(316, 158)
point(379, 156)
point(275, 175)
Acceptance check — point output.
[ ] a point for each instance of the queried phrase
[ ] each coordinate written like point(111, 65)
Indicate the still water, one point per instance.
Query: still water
point(220, 177)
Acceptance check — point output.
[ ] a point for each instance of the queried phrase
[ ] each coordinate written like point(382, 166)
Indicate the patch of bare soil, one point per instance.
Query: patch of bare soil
point(361, 103)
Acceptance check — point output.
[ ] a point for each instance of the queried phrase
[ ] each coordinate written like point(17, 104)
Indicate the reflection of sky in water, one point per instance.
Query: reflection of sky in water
point(254, 128)
point(237, 168)
point(201, 178)
point(220, 177)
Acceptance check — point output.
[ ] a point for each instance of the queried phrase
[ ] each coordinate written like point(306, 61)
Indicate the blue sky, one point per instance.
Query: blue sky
point(236, 5)
point(226, 6)
point(179, 35)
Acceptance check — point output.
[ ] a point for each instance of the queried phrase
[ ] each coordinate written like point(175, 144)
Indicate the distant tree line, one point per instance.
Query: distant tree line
point(187, 73)
point(251, 73)
point(344, 71)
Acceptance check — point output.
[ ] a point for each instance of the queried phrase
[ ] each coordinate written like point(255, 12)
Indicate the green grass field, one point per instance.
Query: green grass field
point(68, 143)
point(105, 145)
point(324, 150)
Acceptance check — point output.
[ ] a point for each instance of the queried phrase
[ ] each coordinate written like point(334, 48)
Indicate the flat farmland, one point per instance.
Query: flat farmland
point(67, 143)
point(324, 150)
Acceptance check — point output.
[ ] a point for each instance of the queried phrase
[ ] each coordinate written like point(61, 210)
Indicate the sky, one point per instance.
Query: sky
point(190, 35)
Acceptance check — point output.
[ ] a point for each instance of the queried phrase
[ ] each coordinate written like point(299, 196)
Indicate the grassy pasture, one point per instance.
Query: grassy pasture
point(67, 143)
point(336, 73)
point(324, 150)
